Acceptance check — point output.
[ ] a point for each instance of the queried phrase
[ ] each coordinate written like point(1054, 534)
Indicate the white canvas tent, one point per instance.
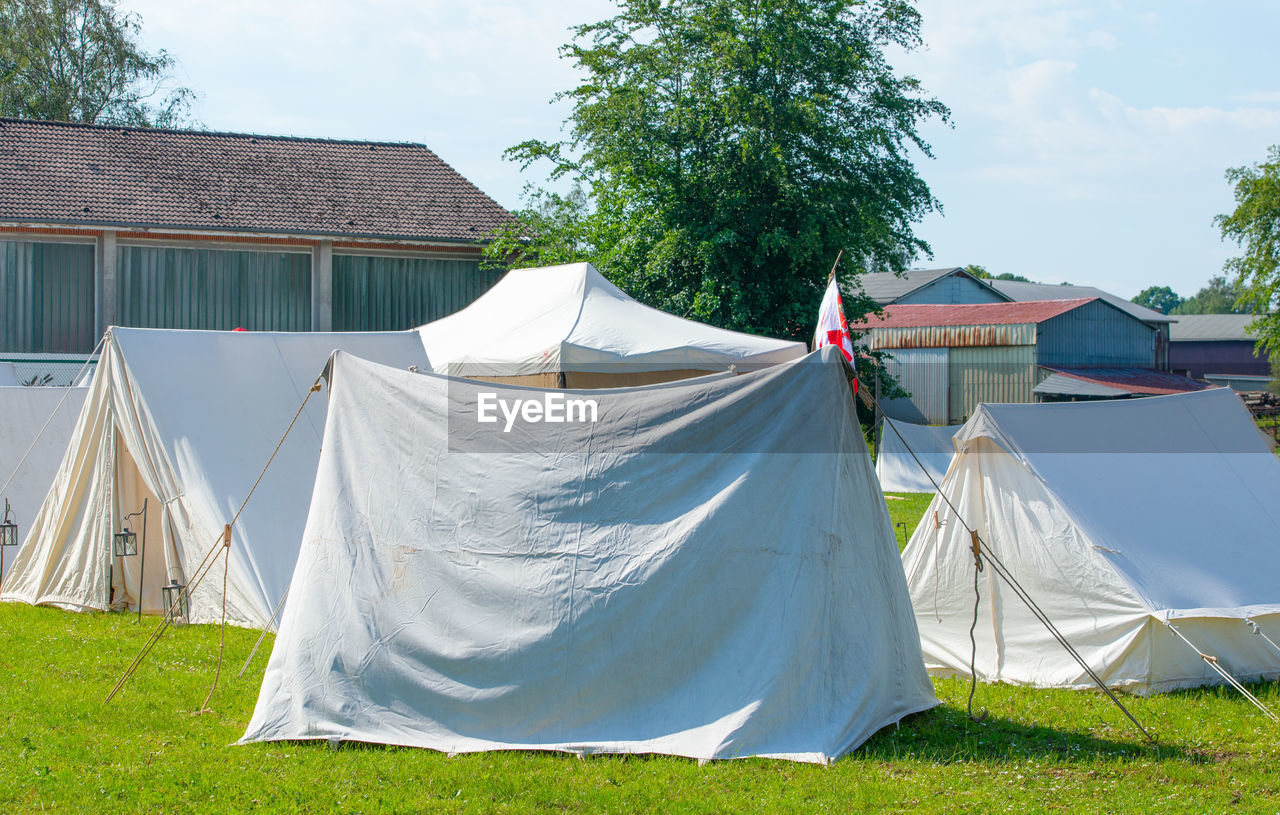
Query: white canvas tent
point(24, 412)
point(567, 326)
point(901, 471)
point(1117, 517)
point(187, 420)
point(8, 375)
point(706, 570)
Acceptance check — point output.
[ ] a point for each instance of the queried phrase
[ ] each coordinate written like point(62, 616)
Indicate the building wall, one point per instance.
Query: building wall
point(951, 290)
point(996, 374)
point(60, 287)
point(1195, 358)
point(923, 373)
point(46, 297)
point(1096, 335)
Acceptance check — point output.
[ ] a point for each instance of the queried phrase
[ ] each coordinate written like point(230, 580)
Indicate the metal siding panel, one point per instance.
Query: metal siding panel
point(922, 372)
point(952, 290)
point(48, 291)
point(193, 288)
point(372, 293)
point(952, 336)
point(1098, 336)
point(1005, 374)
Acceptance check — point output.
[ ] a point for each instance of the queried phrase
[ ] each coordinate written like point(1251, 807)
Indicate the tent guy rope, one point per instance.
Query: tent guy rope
point(221, 546)
point(1212, 662)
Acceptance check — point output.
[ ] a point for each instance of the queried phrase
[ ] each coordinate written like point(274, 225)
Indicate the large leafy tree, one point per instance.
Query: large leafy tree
point(1220, 296)
point(1158, 298)
point(80, 61)
point(1255, 227)
point(728, 149)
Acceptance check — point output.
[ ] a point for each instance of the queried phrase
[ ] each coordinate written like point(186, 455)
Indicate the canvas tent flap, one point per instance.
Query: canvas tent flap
point(913, 457)
point(571, 319)
point(39, 416)
point(704, 571)
point(1116, 517)
point(189, 419)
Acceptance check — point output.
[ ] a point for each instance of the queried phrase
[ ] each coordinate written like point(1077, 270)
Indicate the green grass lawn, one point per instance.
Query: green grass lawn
point(62, 749)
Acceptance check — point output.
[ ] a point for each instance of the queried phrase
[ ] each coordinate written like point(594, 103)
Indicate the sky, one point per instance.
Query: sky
point(1088, 140)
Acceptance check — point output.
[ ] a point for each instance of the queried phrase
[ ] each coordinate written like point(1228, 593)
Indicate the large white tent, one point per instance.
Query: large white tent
point(913, 457)
point(187, 420)
point(35, 424)
point(568, 326)
point(1120, 519)
point(701, 568)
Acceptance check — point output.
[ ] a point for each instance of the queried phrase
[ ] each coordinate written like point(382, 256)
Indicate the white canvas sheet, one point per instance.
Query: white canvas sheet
point(1117, 516)
point(8, 375)
point(23, 412)
point(900, 471)
point(706, 571)
point(570, 318)
point(188, 419)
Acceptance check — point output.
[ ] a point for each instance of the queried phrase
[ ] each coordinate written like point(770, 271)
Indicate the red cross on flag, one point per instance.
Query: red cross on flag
point(832, 327)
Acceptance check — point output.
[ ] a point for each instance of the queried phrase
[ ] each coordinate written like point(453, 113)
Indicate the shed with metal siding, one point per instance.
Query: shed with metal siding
point(1096, 335)
point(953, 289)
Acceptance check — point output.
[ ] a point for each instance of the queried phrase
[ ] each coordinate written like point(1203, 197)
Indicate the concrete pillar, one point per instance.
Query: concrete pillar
point(106, 264)
point(322, 286)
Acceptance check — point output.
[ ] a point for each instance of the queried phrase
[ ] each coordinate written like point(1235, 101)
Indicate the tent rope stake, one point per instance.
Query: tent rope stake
point(221, 546)
point(1212, 662)
point(980, 549)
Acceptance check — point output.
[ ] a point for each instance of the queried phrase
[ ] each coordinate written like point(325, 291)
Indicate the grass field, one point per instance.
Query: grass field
point(62, 749)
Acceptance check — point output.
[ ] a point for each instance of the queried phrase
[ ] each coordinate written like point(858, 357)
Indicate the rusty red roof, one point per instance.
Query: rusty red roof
point(62, 173)
point(1134, 380)
point(910, 315)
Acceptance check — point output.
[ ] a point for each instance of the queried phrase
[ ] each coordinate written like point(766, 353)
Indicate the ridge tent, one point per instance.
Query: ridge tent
point(187, 420)
point(704, 570)
point(898, 470)
point(23, 412)
point(1117, 518)
point(569, 327)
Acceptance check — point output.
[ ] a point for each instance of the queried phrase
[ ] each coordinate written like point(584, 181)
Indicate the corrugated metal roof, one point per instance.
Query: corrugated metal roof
point(63, 173)
point(1134, 381)
point(1063, 385)
point(1201, 327)
point(1020, 291)
point(904, 315)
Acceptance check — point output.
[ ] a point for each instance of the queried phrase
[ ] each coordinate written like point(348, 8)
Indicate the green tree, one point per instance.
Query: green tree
point(728, 149)
point(981, 272)
point(1158, 298)
point(80, 61)
point(1219, 297)
point(1255, 227)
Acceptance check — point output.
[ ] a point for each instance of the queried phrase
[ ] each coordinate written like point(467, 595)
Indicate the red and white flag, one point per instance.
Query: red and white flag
point(832, 327)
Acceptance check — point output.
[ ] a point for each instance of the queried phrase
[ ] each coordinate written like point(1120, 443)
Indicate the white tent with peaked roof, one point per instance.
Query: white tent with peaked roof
point(700, 568)
point(913, 457)
point(186, 420)
point(568, 326)
point(1121, 519)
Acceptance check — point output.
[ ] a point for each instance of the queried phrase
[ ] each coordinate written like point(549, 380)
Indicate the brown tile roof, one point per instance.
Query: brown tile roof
point(904, 315)
point(60, 173)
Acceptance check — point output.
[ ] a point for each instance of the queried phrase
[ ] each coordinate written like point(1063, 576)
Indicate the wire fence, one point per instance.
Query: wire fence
point(53, 370)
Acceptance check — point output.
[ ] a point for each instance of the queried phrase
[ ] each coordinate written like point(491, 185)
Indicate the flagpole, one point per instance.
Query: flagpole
point(832, 276)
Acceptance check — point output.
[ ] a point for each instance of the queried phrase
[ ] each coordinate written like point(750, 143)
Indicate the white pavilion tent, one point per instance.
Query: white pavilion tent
point(913, 457)
point(567, 326)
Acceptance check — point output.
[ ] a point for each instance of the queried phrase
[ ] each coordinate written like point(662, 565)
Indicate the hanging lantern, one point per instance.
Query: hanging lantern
point(8, 529)
point(125, 544)
point(176, 601)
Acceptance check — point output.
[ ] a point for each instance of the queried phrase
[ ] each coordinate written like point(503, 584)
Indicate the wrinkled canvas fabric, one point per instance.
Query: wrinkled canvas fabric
point(705, 571)
point(1116, 517)
point(188, 420)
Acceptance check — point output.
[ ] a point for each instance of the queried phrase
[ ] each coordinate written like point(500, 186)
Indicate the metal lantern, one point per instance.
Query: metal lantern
point(8, 529)
point(176, 601)
point(126, 543)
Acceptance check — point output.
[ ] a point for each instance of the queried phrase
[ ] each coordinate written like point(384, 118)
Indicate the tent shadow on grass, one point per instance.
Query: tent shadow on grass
point(946, 735)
